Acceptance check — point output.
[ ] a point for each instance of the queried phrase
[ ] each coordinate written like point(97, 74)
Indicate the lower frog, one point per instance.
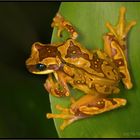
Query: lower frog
point(96, 73)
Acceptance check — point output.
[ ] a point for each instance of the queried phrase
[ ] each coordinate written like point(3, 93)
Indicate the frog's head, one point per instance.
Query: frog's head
point(43, 59)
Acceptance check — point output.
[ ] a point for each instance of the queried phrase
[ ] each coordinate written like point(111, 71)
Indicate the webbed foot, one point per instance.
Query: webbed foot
point(68, 116)
point(121, 30)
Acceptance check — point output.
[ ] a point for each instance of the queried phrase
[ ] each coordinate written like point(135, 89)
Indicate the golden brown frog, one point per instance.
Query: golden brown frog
point(95, 73)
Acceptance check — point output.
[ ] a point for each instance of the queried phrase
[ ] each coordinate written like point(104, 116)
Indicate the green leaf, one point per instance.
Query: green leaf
point(89, 20)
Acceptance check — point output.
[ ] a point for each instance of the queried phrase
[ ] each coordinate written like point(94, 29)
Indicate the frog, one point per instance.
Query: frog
point(96, 73)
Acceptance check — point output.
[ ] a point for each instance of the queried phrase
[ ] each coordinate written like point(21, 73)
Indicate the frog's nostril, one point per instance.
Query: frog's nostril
point(40, 66)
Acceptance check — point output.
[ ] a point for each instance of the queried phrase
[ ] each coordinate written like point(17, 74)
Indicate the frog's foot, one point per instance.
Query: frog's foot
point(61, 24)
point(66, 114)
point(121, 30)
point(86, 106)
point(55, 88)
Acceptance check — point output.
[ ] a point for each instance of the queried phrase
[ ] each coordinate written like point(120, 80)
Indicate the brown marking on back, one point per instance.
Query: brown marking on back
point(96, 63)
point(75, 52)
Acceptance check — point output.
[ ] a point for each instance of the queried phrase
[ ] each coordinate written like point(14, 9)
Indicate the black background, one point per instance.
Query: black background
point(23, 99)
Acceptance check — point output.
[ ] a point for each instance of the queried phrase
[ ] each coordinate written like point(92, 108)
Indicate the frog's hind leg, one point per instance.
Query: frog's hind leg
point(61, 24)
point(86, 106)
point(101, 105)
point(115, 45)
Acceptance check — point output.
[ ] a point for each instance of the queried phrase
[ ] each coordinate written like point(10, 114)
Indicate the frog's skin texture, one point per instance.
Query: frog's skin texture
point(95, 73)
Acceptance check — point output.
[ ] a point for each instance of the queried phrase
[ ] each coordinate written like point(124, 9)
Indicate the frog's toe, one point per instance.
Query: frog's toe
point(121, 30)
point(66, 114)
point(68, 119)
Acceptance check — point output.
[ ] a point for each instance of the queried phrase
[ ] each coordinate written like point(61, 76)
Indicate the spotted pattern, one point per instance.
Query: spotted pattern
point(99, 103)
point(75, 52)
point(46, 51)
point(60, 92)
point(119, 62)
point(70, 28)
point(96, 63)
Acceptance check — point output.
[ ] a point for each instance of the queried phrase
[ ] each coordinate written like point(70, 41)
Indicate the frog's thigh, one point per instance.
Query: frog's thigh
point(94, 105)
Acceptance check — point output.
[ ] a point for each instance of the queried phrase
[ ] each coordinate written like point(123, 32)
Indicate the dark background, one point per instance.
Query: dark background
point(23, 99)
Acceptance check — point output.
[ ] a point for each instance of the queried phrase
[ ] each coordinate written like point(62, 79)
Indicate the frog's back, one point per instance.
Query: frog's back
point(96, 62)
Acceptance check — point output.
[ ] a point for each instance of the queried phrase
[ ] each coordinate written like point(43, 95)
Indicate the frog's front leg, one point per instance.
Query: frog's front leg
point(58, 86)
point(86, 106)
point(61, 24)
point(115, 46)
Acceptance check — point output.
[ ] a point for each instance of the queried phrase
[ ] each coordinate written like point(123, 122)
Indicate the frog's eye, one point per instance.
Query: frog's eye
point(40, 66)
